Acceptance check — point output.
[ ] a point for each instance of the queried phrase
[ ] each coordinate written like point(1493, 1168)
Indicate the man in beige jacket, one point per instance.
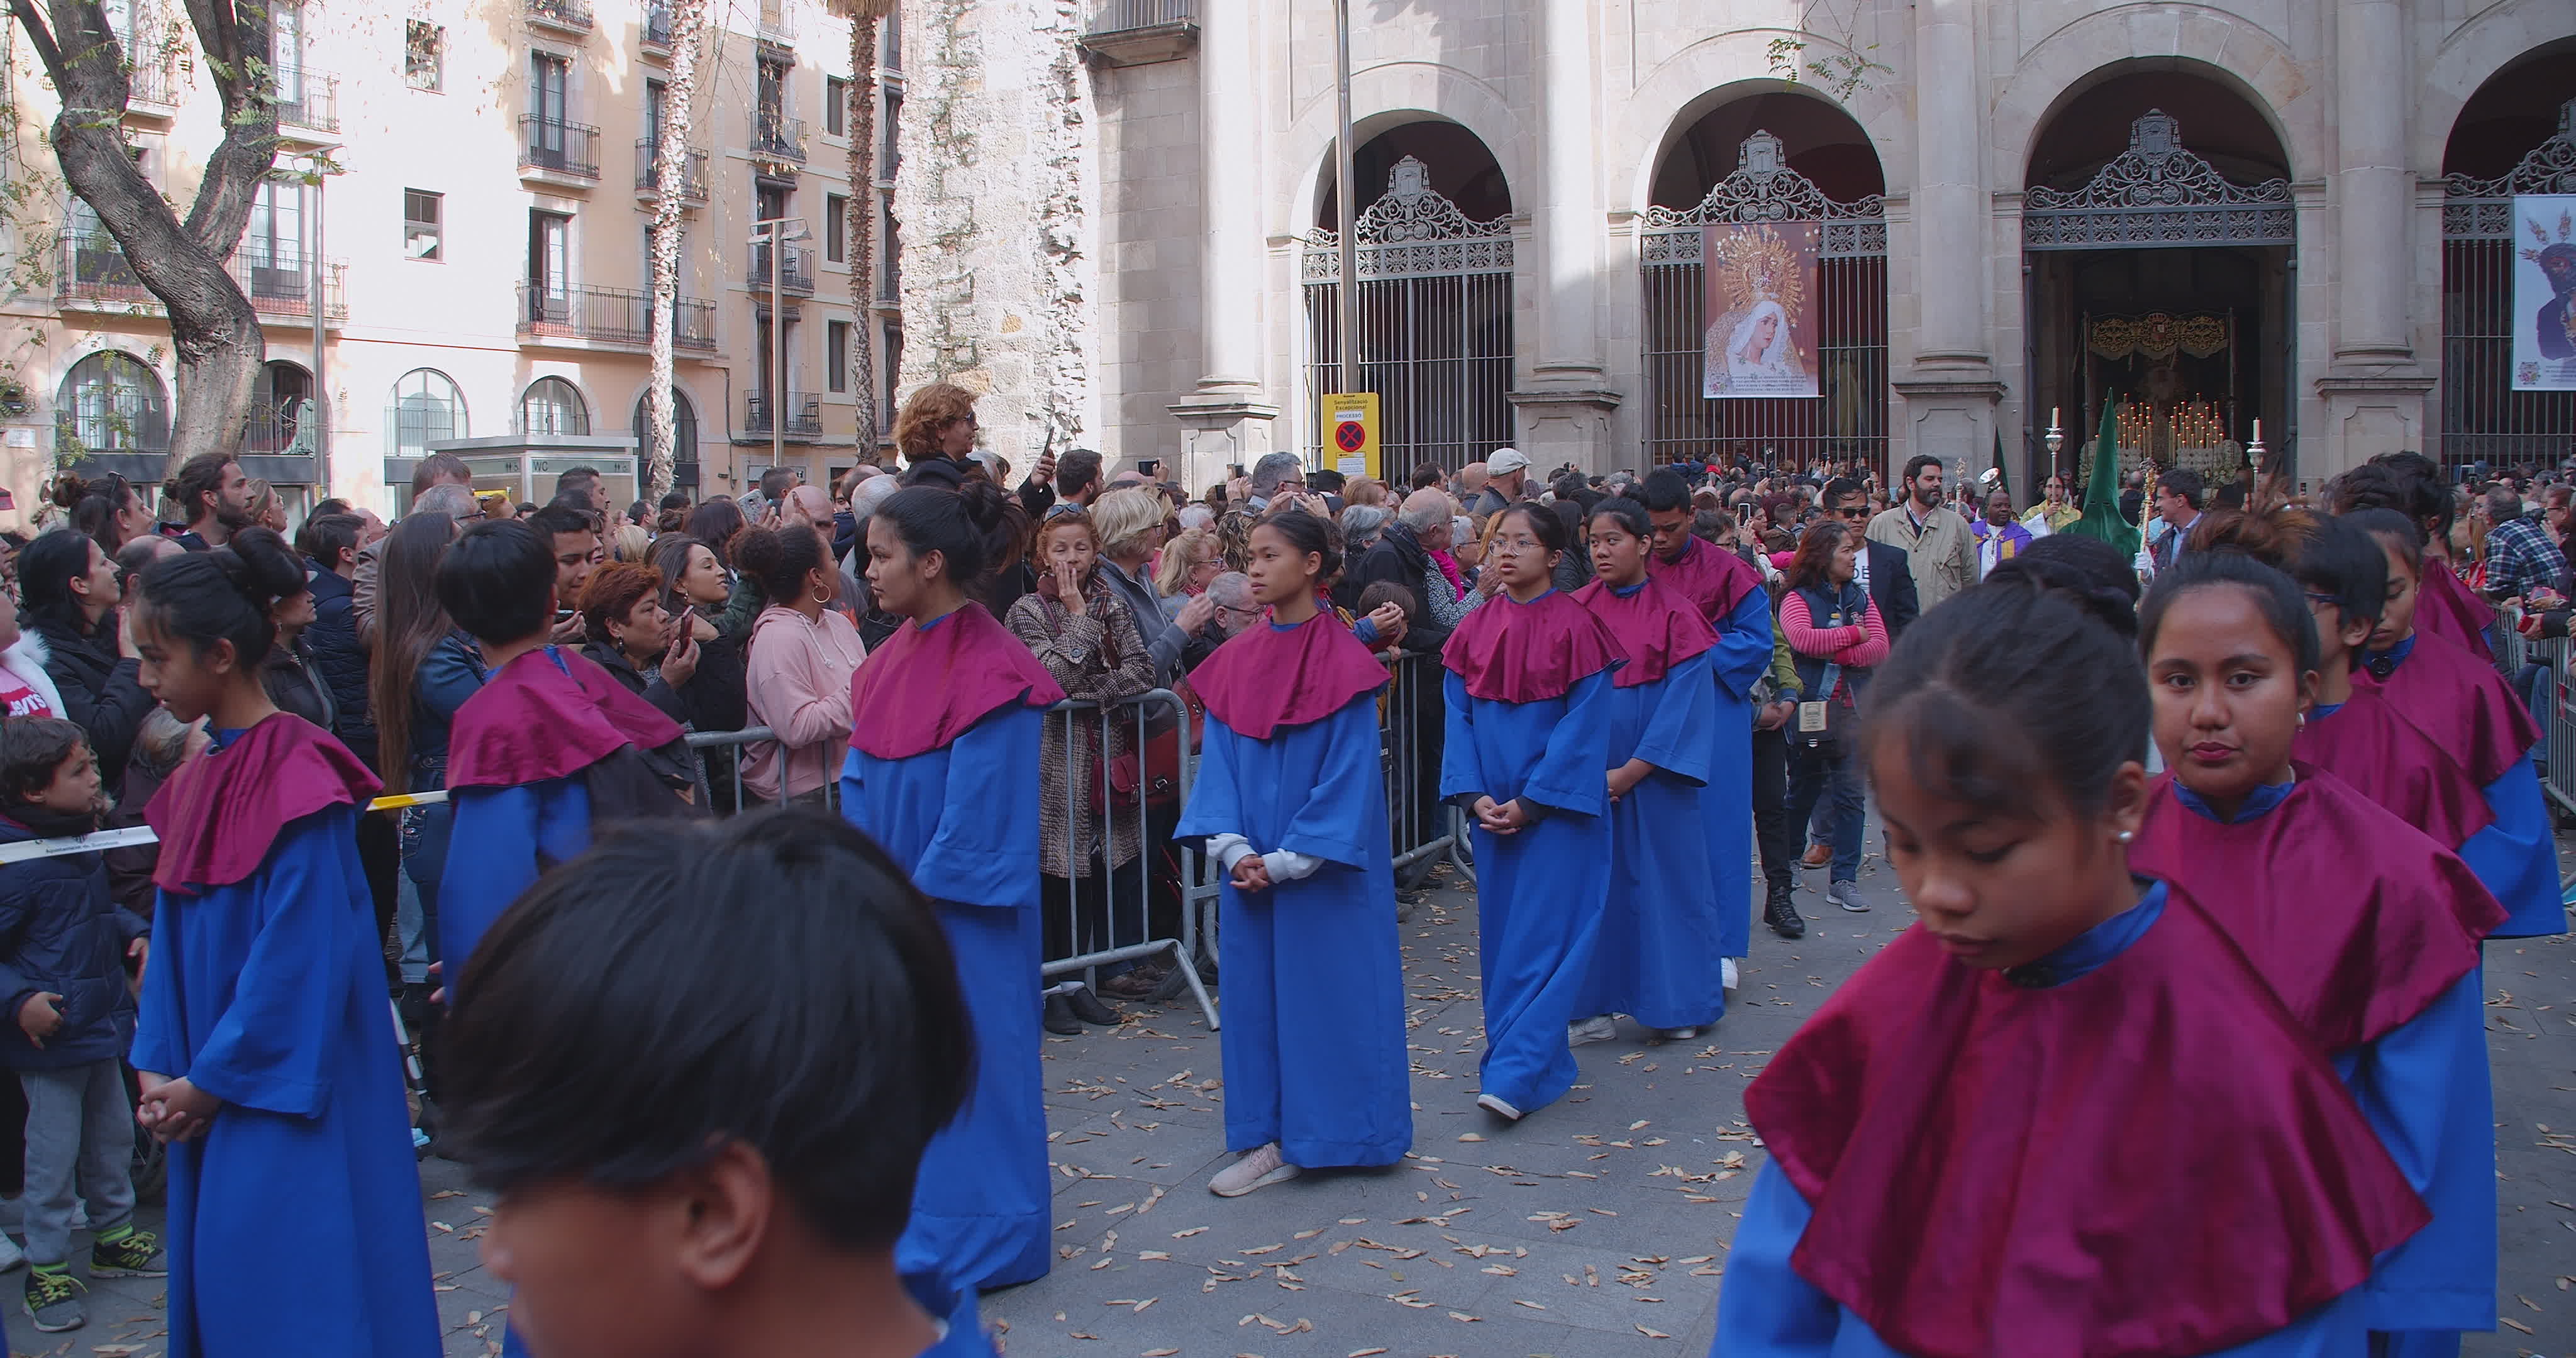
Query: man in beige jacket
point(1936, 541)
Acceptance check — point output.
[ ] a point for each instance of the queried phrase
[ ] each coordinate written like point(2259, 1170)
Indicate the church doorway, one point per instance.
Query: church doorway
point(2508, 385)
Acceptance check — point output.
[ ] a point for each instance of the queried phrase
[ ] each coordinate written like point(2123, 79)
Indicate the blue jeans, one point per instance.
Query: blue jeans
point(1811, 774)
point(425, 831)
point(2537, 686)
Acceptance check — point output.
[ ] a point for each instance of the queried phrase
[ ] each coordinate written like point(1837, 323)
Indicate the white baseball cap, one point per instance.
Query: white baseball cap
point(1506, 461)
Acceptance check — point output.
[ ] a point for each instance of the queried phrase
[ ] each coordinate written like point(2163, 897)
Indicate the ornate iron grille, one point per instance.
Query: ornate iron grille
point(2483, 417)
point(2158, 193)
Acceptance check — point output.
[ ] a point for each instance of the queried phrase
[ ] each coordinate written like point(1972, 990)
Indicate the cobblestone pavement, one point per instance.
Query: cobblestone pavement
point(1593, 1229)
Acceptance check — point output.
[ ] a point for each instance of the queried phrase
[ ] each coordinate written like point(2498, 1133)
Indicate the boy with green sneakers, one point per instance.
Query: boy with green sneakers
point(63, 945)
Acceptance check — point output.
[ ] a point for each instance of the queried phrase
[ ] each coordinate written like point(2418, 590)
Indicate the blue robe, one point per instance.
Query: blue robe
point(1743, 652)
point(954, 1307)
point(503, 839)
point(294, 1222)
point(2517, 857)
point(1539, 892)
point(1661, 935)
point(962, 819)
point(1314, 980)
point(1767, 1310)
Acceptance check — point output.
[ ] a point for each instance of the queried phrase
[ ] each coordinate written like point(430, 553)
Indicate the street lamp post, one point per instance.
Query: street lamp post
point(773, 232)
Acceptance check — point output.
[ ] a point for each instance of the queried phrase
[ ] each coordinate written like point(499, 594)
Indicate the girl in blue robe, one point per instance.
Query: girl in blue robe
point(264, 1046)
point(1526, 743)
point(2366, 929)
point(1945, 1174)
point(943, 772)
point(1662, 942)
point(1291, 798)
point(2458, 699)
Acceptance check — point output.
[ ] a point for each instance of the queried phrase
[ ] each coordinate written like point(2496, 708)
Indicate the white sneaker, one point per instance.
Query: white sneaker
point(1726, 972)
point(10, 1255)
point(1260, 1167)
point(1679, 1034)
point(1494, 1104)
point(1598, 1028)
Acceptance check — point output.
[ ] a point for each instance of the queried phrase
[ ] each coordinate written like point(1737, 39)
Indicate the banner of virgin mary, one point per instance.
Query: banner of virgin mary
point(1756, 280)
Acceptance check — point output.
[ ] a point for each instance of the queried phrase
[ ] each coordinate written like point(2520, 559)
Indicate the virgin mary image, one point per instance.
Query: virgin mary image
point(1757, 286)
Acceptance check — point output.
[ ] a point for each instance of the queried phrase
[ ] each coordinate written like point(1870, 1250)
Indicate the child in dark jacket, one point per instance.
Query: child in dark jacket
point(63, 945)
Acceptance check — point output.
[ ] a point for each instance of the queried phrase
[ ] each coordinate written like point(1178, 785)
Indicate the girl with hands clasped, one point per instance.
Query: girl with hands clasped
point(1528, 739)
point(1290, 799)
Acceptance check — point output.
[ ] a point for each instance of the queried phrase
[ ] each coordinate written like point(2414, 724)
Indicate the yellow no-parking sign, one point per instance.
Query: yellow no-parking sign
point(1350, 433)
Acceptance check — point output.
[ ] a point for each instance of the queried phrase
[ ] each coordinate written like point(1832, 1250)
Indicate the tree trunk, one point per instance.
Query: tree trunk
point(670, 184)
point(214, 331)
point(861, 225)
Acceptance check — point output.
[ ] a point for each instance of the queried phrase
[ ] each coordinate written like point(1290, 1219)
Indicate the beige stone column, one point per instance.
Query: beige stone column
point(1950, 390)
point(1228, 419)
point(1565, 410)
point(2372, 184)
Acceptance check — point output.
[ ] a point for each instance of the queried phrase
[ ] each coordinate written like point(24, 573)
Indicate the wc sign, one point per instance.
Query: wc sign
point(1350, 427)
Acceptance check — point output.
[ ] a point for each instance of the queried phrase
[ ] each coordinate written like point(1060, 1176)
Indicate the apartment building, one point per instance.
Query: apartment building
point(476, 247)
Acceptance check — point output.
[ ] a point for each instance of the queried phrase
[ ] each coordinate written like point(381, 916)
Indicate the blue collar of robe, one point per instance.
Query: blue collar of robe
point(2381, 664)
point(2094, 946)
point(2259, 802)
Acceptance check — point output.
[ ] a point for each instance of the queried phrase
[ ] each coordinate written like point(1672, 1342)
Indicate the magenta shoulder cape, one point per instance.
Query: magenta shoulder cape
point(1267, 677)
point(1976, 1193)
point(535, 720)
point(2382, 755)
point(926, 685)
point(1523, 653)
point(2446, 607)
point(219, 813)
point(2356, 919)
point(2456, 697)
point(1714, 581)
point(1655, 628)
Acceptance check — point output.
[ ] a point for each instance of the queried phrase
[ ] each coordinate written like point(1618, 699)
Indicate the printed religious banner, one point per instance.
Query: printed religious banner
point(2544, 292)
point(1759, 285)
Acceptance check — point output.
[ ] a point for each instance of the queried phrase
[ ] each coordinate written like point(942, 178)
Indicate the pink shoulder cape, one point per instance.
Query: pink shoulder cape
point(2382, 755)
point(1714, 581)
point(2446, 607)
point(1523, 653)
point(1268, 676)
point(536, 720)
point(2455, 696)
point(1656, 628)
point(926, 685)
point(221, 811)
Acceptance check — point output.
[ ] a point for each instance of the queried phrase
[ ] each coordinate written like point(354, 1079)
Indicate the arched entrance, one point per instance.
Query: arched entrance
point(2505, 404)
point(2159, 277)
point(279, 402)
point(684, 437)
point(1435, 305)
point(1756, 175)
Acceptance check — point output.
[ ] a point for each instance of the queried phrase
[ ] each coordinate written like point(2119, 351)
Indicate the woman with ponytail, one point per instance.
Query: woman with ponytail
point(942, 770)
point(263, 1047)
point(107, 511)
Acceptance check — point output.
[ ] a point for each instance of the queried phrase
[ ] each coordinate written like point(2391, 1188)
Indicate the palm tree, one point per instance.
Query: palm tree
point(860, 223)
point(670, 190)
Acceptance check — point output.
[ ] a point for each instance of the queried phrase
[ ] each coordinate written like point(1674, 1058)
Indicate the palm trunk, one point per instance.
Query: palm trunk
point(670, 191)
point(861, 223)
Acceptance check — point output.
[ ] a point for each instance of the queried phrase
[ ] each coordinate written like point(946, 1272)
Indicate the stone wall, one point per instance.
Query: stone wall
point(1149, 233)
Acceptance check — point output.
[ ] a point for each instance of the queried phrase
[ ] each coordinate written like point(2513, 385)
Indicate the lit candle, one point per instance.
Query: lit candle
point(2258, 429)
point(2052, 417)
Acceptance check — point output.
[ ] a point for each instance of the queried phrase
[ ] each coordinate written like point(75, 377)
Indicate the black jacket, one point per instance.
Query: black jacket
point(331, 645)
point(296, 686)
point(60, 932)
point(1398, 557)
point(101, 694)
point(658, 692)
point(1891, 587)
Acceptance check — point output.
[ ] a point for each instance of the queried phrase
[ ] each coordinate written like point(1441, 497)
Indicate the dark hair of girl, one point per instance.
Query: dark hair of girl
point(1543, 524)
point(1307, 534)
point(1630, 515)
point(94, 506)
point(2428, 500)
point(968, 527)
point(2337, 557)
point(46, 569)
point(715, 523)
point(497, 578)
point(2276, 596)
point(32, 751)
point(227, 594)
point(779, 560)
point(409, 624)
point(2393, 529)
point(2064, 706)
point(1813, 565)
point(2091, 573)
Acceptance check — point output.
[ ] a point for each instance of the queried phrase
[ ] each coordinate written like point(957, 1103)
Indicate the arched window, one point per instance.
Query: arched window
point(684, 430)
point(279, 402)
point(111, 402)
point(553, 406)
point(427, 409)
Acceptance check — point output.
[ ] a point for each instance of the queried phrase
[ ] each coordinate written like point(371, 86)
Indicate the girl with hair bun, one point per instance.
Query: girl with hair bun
point(1525, 748)
point(2366, 929)
point(942, 770)
point(108, 511)
point(264, 1052)
point(1291, 802)
point(1968, 1058)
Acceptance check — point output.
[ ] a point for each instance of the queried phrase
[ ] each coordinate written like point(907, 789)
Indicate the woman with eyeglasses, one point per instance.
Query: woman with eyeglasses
point(1525, 746)
point(935, 431)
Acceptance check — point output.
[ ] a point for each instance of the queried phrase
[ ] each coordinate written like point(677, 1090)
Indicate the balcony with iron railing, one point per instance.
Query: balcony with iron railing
point(558, 152)
point(777, 25)
point(657, 27)
point(96, 277)
point(804, 414)
point(648, 179)
point(1139, 32)
point(569, 16)
point(795, 271)
point(617, 317)
point(776, 138)
point(156, 86)
point(308, 103)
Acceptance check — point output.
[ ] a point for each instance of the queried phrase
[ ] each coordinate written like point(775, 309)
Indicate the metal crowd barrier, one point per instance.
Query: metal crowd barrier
point(1428, 831)
point(2555, 707)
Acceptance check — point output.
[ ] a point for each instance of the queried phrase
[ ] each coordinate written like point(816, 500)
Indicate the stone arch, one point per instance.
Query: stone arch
point(1709, 74)
point(1385, 96)
point(2472, 55)
point(2225, 50)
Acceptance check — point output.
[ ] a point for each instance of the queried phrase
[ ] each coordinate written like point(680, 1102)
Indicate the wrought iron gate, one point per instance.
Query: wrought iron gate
point(1849, 418)
point(2483, 417)
point(1435, 319)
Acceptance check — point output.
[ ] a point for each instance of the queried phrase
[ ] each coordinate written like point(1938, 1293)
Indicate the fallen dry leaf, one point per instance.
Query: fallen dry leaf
point(1652, 1334)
